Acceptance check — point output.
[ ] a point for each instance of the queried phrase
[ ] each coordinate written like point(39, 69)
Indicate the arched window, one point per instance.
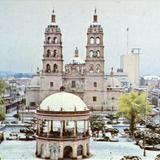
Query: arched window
point(98, 53)
point(91, 68)
point(48, 68)
point(55, 40)
point(97, 40)
point(91, 53)
point(98, 67)
point(54, 53)
point(91, 40)
point(55, 67)
point(67, 152)
point(79, 150)
point(48, 53)
point(49, 39)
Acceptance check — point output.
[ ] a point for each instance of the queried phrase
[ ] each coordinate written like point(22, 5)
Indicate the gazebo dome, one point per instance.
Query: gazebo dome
point(63, 101)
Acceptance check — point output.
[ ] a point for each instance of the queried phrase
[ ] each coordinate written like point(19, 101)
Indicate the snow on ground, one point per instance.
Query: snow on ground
point(25, 150)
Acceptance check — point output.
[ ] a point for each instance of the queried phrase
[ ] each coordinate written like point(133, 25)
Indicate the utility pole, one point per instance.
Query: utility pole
point(127, 39)
point(144, 151)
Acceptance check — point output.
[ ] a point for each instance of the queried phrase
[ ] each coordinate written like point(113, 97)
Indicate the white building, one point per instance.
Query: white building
point(130, 65)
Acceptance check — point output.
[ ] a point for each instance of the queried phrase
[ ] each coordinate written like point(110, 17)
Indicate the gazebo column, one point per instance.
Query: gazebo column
point(47, 128)
point(88, 126)
point(51, 130)
point(37, 132)
point(61, 129)
point(74, 150)
point(85, 150)
point(64, 126)
point(41, 126)
point(75, 128)
point(84, 127)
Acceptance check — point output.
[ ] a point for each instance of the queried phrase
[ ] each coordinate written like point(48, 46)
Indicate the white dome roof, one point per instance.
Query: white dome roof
point(113, 82)
point(63, 101)
point(77, 60)
point(35, 81)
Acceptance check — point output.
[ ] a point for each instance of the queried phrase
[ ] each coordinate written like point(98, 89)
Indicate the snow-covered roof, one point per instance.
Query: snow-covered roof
point(63, 101)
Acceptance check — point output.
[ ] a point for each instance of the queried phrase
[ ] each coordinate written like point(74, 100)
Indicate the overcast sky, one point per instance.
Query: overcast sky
point(22, 25)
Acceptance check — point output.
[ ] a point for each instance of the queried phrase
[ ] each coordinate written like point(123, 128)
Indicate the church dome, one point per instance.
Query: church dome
point(35, 81)
point(76, 59)
point(113, 82)
point(63, 101)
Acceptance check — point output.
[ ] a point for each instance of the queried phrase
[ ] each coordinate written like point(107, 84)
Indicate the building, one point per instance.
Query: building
point(85, 79)
point(62, 127)
point(130, 65)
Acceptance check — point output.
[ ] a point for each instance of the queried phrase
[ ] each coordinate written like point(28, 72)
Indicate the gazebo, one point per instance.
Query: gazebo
point(62, 127)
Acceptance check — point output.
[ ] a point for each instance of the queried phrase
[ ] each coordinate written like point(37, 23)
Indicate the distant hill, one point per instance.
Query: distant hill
point(8, 74)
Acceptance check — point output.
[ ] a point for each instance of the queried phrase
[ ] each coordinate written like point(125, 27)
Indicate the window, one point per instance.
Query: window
point(91, 68)
point(97, 40)
point(51, 84)
point(91, 53)
point(48, 53)
point(95, 84)
point(55, 40)
point(54, 53)
point(91, 40)
point(55, 68)
point(49, 39)
point(73, 84)
point(32, 103)
point(98, 53)
point(48, 68)
point(94, 99)
point(98, 68)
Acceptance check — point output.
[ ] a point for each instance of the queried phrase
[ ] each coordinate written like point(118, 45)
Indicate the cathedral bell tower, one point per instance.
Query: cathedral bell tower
point(52, 71)
point(52, 57)
point(95, 49)
point(94, 66)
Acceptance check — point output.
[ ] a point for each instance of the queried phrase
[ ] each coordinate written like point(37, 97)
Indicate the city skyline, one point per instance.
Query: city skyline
point(23, 23)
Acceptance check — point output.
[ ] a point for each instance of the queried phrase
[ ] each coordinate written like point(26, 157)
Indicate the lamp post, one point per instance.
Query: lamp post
point(145, 119)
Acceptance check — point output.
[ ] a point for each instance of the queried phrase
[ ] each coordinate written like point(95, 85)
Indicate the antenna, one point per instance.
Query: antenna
point(127, 39)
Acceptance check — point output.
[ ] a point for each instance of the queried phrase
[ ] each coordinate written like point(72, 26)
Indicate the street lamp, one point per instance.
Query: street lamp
point(145, 119)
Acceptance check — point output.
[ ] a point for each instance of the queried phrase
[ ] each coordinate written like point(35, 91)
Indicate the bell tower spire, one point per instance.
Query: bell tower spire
point(53, 17)
point(95, 48)
point(53, 57)
point(95, 17)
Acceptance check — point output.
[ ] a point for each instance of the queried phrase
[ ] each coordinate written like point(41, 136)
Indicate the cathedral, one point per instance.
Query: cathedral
point(84, 78)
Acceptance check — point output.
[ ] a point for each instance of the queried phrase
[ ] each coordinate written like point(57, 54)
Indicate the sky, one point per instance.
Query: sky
point(22, 25)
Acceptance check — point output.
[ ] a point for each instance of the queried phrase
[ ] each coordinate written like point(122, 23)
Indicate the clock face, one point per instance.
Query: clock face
point(95, 54)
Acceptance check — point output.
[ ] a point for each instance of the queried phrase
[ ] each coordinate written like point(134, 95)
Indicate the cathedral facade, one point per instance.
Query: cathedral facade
point(86, 79)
